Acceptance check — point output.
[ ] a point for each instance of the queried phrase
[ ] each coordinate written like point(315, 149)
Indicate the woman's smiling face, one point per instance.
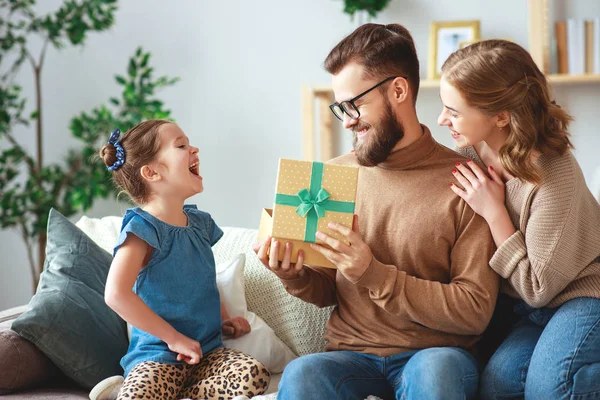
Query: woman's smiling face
point(468, 125)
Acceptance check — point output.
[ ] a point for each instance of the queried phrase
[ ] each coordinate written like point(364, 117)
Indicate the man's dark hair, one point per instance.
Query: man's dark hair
point(383, 51)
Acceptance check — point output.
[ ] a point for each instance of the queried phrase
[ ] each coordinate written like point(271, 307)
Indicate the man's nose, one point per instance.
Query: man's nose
point(349, 122)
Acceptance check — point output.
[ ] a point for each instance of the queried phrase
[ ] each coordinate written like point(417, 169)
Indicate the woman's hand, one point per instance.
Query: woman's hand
point(236, 327)
point(187, 349)
point(484, 195)
point(268, 251)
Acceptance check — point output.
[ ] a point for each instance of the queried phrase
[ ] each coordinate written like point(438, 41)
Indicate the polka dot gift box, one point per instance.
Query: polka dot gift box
point(310, 195)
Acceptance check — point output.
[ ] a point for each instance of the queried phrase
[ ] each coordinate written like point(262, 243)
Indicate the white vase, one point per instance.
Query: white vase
point(361, 17)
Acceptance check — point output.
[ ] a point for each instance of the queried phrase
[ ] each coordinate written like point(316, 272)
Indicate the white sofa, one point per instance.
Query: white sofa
point(298, 324)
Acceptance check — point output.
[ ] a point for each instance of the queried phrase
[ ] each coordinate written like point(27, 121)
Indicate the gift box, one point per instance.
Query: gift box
point(310, 195)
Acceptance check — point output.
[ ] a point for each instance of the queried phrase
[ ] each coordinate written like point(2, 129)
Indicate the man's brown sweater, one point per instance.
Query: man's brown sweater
point(429, 284)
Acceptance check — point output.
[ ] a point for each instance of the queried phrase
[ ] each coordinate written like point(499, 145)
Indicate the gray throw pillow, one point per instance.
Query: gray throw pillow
point(67, 318)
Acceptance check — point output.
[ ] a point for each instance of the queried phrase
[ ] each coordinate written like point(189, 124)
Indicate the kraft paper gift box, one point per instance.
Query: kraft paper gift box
point(309, 195)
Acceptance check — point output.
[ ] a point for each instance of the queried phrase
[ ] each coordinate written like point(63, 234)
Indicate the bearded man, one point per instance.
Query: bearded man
point(413, 291)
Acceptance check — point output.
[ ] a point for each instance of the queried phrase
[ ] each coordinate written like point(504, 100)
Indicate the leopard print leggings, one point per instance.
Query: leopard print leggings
point(222, 374)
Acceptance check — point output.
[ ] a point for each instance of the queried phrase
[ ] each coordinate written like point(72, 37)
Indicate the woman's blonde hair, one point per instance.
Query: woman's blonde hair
point(498, 75)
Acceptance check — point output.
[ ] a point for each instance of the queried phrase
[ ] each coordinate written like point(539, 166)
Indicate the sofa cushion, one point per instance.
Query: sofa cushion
point(299, 324)
point(50, 393)
point(22, 365)
point(67, 318)
point(261, 342)
point(9, 315)
point(103, 231)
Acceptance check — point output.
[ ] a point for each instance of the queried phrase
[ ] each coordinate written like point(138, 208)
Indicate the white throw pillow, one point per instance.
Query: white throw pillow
point(261, 342)
point(230, 282)
point(103, 231)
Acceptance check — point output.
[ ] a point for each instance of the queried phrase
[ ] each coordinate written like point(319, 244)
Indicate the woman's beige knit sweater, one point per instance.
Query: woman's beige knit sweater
point(554, 255)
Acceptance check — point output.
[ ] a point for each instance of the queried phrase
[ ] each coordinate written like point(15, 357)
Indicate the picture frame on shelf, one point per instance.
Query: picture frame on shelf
point(445, 37)
point(466, 43)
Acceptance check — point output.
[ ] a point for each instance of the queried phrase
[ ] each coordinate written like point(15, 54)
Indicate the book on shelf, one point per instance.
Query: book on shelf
point(589, 47)
point(560, 29)
point(596, 45)
point(578, 46)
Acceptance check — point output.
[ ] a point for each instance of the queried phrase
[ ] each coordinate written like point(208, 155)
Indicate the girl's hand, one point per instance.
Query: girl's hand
point(484, 195)
point(267, 252)
point(187, 349)
point(236, 327)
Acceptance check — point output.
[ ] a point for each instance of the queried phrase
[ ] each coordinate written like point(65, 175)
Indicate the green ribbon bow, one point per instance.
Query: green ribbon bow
point(313, 203)
point(308, 202)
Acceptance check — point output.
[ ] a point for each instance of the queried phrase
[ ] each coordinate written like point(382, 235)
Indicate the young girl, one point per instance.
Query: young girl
point(162, 279)
point(544, 220)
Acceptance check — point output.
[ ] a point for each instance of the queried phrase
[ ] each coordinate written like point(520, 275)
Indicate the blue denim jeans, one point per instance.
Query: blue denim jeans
point(549, 354)
point(435, 373)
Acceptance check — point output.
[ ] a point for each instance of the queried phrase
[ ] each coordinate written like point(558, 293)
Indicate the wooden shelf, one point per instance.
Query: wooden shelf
point(559, 79)
point(429, 83)
point(567, 78)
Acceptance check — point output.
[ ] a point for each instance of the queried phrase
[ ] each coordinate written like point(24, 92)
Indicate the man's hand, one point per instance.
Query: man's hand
point(267, 252)
point(236, 327)
point(351, 260)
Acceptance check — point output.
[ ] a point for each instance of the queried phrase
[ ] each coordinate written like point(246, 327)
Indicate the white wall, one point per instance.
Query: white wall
point(242, 65)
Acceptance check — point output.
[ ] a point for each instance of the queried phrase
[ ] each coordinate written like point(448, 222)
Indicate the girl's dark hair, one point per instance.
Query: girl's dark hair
point(498, 75)
point(140, 145)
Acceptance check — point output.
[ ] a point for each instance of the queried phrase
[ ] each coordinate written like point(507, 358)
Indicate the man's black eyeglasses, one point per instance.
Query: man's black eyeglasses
point(348, 107)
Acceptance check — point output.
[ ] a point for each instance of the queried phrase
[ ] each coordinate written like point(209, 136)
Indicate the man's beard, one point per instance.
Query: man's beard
point(382, 139)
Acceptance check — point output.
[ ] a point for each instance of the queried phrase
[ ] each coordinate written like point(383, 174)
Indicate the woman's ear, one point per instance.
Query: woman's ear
point(400, 86)
point(150, 174)
point(503, 119)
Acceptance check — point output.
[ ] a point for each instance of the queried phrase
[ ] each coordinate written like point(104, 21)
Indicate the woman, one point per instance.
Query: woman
point(523, 180)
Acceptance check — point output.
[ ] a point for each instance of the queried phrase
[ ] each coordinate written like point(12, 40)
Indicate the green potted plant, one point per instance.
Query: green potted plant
point(29, 187)
point(370, 7)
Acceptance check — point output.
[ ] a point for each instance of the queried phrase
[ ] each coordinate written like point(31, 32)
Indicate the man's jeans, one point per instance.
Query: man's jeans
point(435, 373)
point(550, 354)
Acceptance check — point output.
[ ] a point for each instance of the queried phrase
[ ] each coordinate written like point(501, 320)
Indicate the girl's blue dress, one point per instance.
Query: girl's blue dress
point(178, 283)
